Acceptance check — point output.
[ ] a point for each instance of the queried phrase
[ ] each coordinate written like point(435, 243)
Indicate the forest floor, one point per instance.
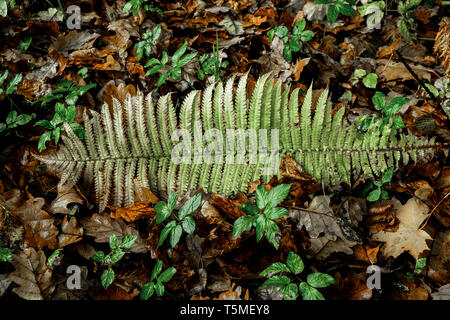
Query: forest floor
point(382, 60)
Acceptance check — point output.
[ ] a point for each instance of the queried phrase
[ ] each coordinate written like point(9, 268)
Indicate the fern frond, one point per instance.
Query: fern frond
point(135, 141)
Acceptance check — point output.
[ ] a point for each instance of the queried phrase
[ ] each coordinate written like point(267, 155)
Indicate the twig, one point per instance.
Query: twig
point(431, 213)
point(417, 78)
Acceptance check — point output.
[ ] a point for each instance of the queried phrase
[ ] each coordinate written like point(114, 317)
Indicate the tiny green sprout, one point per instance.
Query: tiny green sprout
point(292, 43)
point(25, 44)
point(183, 221)
point(263, 215)
point(374, 191)
point(5, 254)
point(280, 276)
point(157, 280)
point(53, 257)
point(368, 79)
point(116, 254)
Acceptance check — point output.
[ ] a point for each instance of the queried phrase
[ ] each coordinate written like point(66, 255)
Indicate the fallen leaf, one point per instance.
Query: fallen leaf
point(39, 229)
point(64, 199)
point(407, 237)
point(71, 232)
point(102, 226)
point(137, 210)
point(32, 275)
point(443, 293)
point(439, 264)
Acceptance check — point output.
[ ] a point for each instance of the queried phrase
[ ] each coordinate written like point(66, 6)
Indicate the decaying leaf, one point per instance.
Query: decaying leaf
point(102, 226)
point(39, 229)
point(407, 237)
point(71, 232)
point(439, 265)
point(443, 293)
point(32, 275)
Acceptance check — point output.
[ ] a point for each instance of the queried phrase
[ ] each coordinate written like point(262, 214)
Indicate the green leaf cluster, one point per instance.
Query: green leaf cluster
point(263, 215)
point(291, 42)
point(406, 24)
point(374, 12)
point(5, 254)
point(148, 40)
point(135, 6)
point(13, 120)
point(116, 253)
point(65, 89)
point(62, 116)
point(374, 191)
point(183, 221)
point(336, 7)
point(280, 276)
point(211, 64)
point(368, 79)
point(12, 85)
point(157, 279)
point(179, 59)
point(389, 111)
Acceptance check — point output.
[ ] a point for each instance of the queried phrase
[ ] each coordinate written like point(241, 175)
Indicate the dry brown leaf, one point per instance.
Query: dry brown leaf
point(137, 210)
point(407, 237)
point(439, 265)
point(443, 293)
point(391, 70)
point(102, 226)
point(226, 207)
point(382, 218)
point(367, 253)
point(71, 232)
point(39, 229)
point(63, 199)
point(32, 275)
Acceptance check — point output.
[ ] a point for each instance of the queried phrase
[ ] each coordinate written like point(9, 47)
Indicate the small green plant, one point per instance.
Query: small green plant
point(65, 89)
point(156, 283)
point(374, 191)
point(117, 253)
point(418, 268)
point(25, 44)
point(56, 125)
point(406, 24)
point(179, 59)
point(263, 215)
point(135, 6)
point(211, 64)
point(12, 85)
point(148, 40)
point(5, 255)
point(83, 72)
point(368, 79)
point(13, 120)
point(280, 275)
point(336, 7)
point(184, 221)
point(374, 12)
point(53, 257)
point(291, 42)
